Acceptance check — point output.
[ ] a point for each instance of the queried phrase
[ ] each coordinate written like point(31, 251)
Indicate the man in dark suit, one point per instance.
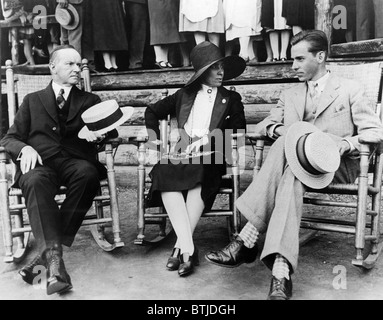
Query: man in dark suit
point(44, 144)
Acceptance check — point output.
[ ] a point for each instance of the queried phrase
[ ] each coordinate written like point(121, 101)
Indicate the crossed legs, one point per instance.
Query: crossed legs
point(54, 226)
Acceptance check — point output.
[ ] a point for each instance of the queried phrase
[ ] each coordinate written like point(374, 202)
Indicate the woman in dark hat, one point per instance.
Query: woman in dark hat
point(203, 108)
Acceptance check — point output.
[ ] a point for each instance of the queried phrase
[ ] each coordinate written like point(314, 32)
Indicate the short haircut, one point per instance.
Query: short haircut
point(316, 38)
point(54, 52)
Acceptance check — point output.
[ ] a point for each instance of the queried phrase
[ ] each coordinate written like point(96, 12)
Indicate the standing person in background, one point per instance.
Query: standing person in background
point(164, 21)
point(277, 28)
point(204, 18)
point(14, 10)
point(299, 14)
point(368, 16)
point(136, 20)
point(73, 37)
point(243, 22)
point(108, 28)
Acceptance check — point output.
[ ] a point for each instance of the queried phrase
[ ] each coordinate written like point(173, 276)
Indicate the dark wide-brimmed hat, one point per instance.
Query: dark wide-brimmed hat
point(312, 155)
point(68, 17)
point(205, 54)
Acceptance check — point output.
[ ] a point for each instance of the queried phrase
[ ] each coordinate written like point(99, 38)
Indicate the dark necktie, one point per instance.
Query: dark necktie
point(60, 99)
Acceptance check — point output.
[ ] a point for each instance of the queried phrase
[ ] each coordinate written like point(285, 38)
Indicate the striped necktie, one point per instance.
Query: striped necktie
point(60, 99)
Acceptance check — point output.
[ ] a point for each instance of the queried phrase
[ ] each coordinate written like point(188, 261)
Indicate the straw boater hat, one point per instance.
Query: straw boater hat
point(104, 117)
point(312, 155)
point(205, 54)
point(68, 17)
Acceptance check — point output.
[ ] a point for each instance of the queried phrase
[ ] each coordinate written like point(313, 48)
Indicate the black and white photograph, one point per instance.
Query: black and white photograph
point(191, 156)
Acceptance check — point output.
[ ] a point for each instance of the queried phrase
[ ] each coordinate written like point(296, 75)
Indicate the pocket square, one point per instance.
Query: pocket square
point(340, 108)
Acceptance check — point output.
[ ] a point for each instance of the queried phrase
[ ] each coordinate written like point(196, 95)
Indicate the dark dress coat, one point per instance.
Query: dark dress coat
point(299, 13)
point(228, 113)
point(37, 125)
point(108, 25)
point(164, 22)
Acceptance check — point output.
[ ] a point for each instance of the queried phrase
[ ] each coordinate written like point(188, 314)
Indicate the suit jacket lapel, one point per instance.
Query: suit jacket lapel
point(329, 94)
point(77, 100)
point(185, 108)
point(220, 104)
point(300, 100)
point(48, 100)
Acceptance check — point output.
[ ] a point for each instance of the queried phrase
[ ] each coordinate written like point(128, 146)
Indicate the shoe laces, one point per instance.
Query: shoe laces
point(35, 262)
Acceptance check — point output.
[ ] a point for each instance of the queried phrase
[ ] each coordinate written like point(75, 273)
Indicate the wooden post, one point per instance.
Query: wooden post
point(323, 17)
point(15, 45)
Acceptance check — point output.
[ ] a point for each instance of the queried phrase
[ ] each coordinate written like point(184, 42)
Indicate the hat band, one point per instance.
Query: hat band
point(106, 122)
point(303, 160)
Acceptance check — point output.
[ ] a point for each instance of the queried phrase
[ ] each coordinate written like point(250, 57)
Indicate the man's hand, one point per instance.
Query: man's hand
point(29, 159)
point(92, 136)
point(63, 3)
point(343, 147)
point(280, 131)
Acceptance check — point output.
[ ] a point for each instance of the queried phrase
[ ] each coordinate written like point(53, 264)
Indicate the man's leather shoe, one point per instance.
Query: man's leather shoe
point(27, 273)
point(280, 289)
point(233, 255)
point(58, 280)
point(174, 260)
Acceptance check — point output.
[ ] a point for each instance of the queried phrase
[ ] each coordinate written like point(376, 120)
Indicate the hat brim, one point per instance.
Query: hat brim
point(294, 133)
point(76, 18)
point(127, 114)
point(234, 67)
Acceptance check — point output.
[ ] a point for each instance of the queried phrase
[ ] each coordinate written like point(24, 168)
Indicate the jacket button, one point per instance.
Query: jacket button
point(54, 128)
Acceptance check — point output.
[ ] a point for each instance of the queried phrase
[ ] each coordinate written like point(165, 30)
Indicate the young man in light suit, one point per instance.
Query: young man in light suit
point(273, 202)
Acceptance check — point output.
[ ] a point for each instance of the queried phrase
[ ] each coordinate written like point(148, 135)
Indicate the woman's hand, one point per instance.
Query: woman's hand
point(196, 146)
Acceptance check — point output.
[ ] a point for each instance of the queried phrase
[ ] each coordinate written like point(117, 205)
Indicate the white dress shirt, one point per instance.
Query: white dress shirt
point(199, 119)
point(56, 89)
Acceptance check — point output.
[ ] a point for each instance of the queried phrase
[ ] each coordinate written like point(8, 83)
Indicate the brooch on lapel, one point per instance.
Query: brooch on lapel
point(224, 101)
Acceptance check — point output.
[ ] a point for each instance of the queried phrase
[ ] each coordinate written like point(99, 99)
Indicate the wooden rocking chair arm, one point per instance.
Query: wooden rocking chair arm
point(256, 136)
point(4, 156)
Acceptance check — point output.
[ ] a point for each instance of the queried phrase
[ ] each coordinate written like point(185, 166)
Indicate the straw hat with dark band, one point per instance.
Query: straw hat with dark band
point(205, 54)
point(104, 117)
point(312, 155)
point(68, 17)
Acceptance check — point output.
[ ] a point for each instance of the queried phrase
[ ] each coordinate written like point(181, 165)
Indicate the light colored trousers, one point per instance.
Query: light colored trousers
point(273, 203)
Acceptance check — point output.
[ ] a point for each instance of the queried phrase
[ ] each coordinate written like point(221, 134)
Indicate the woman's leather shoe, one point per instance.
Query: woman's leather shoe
point(174, 260)
point(187, 265)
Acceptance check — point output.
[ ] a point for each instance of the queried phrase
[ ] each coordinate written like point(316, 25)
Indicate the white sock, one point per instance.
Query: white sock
point(281, 268)
point(249, 235)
